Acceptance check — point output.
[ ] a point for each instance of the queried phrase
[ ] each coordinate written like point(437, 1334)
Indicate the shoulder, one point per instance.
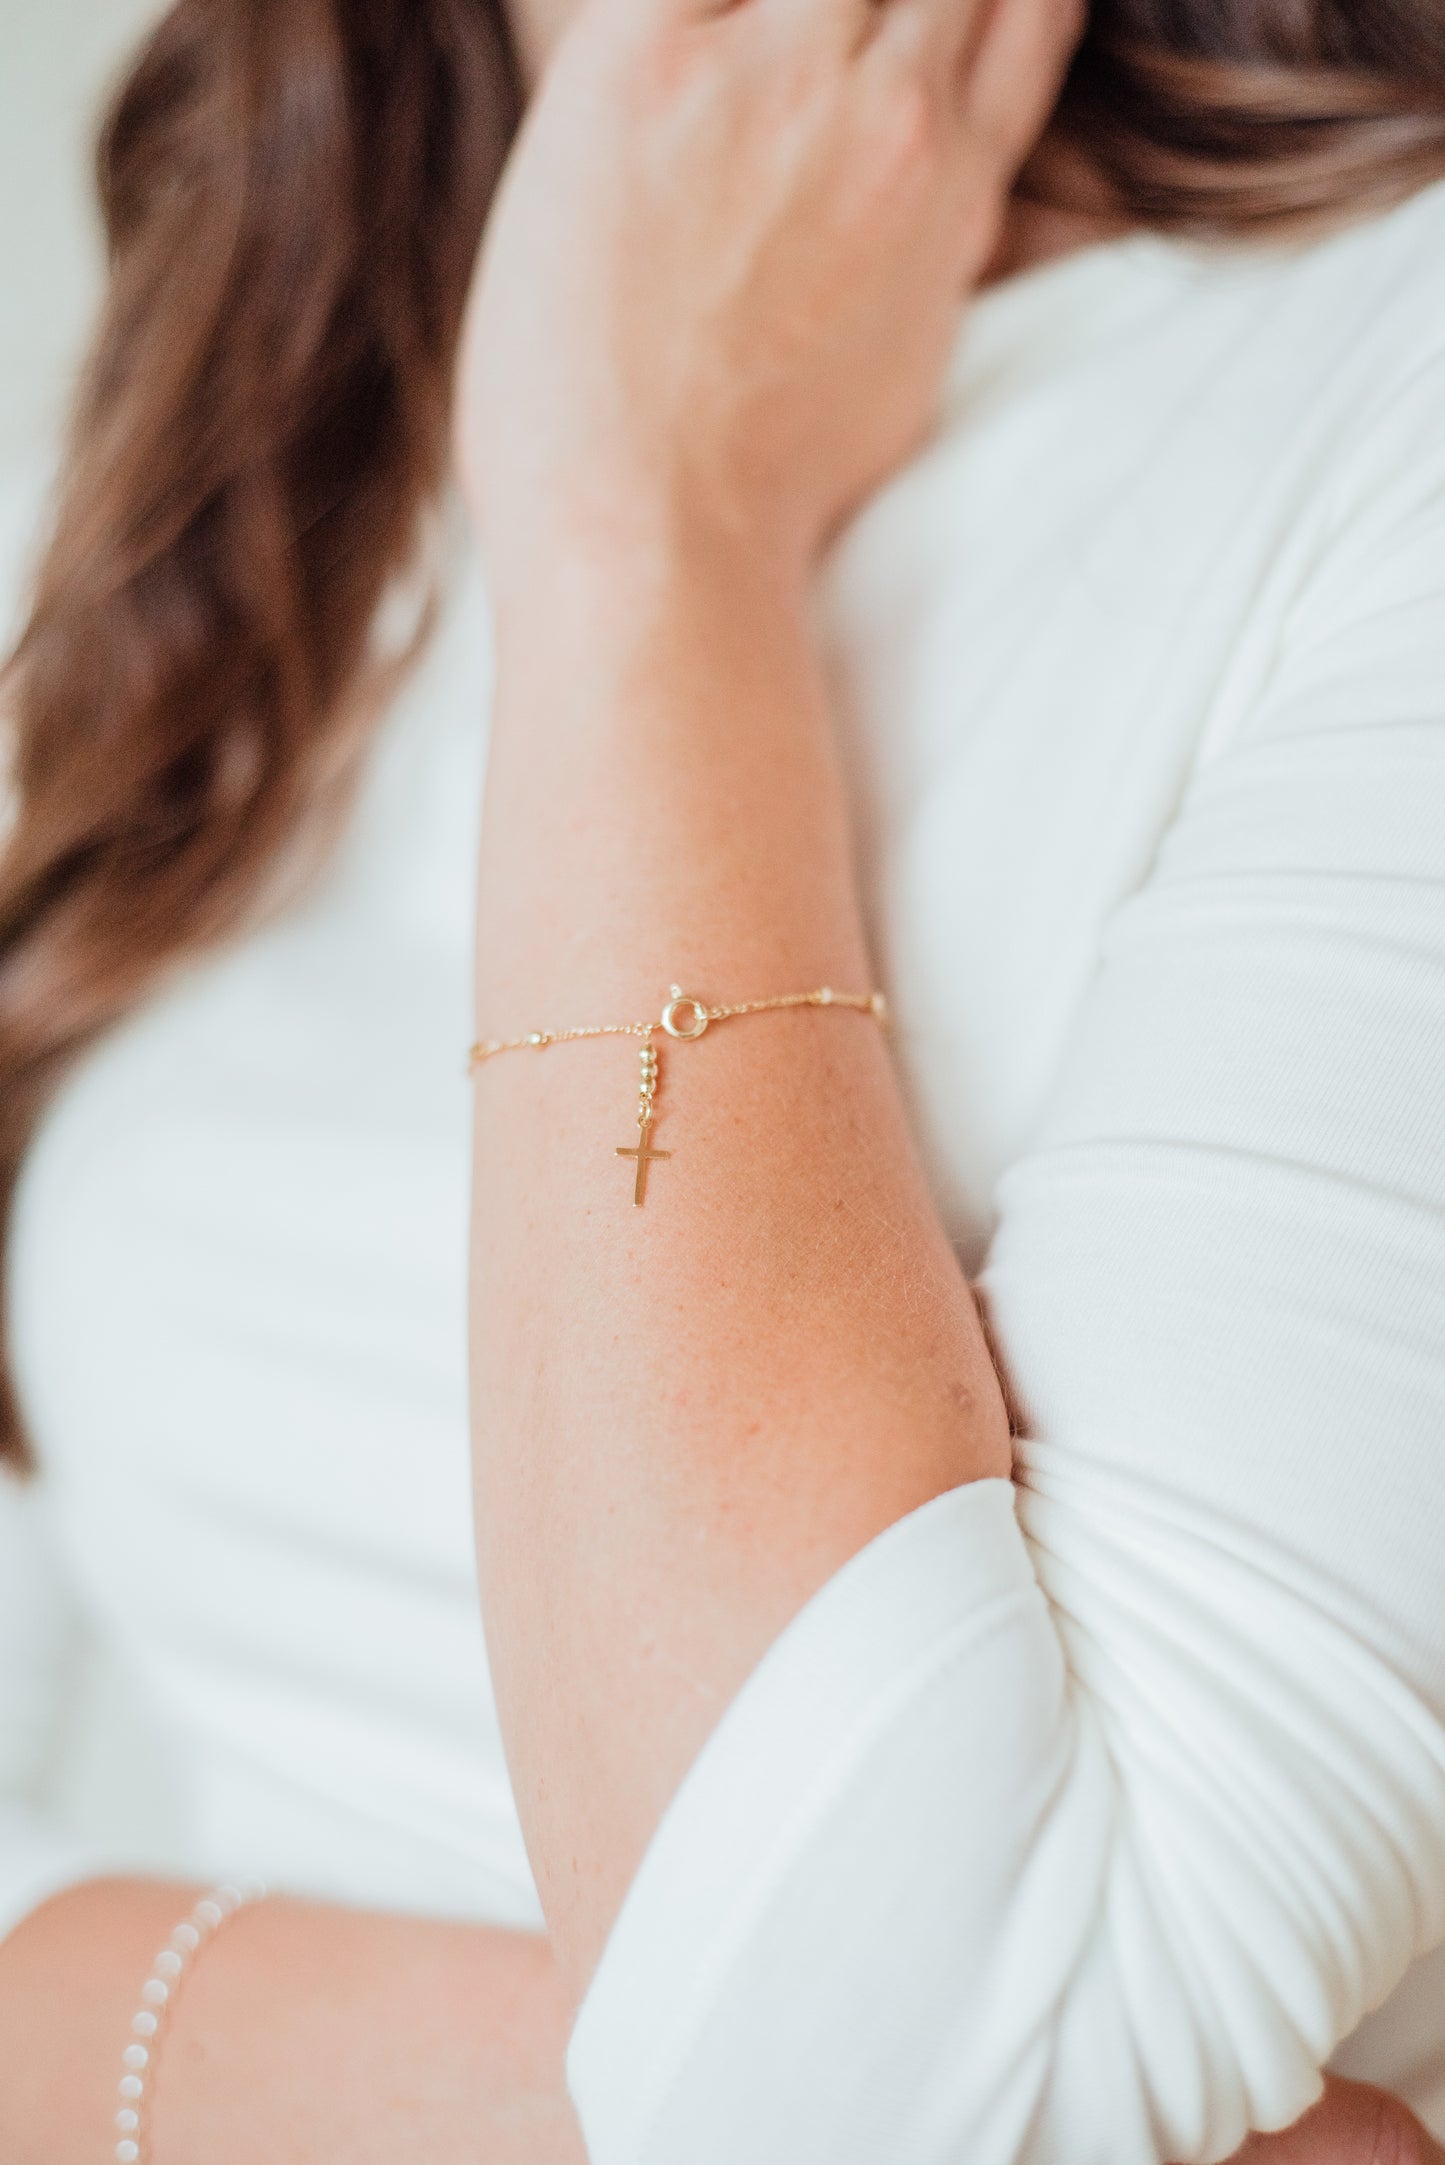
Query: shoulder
point(1375, 293)
point(1357, 630)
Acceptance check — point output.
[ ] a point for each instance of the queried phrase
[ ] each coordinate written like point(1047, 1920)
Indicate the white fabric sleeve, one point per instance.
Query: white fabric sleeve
point(38, 1857)
point(1077, 1822)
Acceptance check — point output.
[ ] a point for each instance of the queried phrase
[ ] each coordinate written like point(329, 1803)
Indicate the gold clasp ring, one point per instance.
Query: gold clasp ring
point(692, 1006)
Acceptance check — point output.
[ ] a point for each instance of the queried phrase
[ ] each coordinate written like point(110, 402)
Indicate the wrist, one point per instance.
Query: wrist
point(604, 578)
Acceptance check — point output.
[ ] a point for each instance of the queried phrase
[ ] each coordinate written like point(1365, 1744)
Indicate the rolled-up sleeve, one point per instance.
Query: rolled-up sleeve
point(1077, 1820)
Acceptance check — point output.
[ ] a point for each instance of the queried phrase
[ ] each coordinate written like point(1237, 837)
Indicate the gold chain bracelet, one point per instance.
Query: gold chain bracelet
point(685, 1017)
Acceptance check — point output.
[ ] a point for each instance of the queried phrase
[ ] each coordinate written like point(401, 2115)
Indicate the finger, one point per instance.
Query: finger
point(939, 39)
point(842, 25)
point(1011, 85)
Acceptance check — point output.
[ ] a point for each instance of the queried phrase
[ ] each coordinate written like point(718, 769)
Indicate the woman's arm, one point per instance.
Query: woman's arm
point(306, 2033)
point(688, 1416)
point(1079, 1826)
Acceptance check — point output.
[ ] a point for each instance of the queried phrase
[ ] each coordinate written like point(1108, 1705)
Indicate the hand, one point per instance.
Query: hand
point(723, 271)
point(1353, 2124)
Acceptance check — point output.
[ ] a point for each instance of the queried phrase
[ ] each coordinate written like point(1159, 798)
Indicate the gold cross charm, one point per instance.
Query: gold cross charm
point(644, 1154)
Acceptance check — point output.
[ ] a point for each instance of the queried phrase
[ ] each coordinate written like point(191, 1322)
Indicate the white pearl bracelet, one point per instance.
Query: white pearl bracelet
point(157, 1996)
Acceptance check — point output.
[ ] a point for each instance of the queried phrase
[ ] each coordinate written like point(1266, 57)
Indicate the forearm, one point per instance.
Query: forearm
point(688, 1416)
point(305, 2033)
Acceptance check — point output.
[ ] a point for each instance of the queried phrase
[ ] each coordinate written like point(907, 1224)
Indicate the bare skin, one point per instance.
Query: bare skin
point(1353, 2124)
point(304, 2033)
point(312, 2032)
point(710, 317)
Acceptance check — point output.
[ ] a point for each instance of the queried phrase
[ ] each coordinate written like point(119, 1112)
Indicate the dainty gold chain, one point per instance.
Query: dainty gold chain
point(485, 1048)
point(684, 1017)
point(819, 996)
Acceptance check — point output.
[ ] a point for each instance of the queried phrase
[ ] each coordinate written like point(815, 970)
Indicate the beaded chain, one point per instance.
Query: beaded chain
point(685, 1017)
point(157, 1997)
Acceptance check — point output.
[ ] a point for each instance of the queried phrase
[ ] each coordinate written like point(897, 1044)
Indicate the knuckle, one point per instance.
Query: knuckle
point(907, 116)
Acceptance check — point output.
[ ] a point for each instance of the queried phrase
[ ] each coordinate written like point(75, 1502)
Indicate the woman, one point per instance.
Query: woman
point(819, 395)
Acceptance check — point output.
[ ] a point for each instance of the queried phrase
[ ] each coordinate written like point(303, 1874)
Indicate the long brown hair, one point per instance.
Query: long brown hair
point(293, 193)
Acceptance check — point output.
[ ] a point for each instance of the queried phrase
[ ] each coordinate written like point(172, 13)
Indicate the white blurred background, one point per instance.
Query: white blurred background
point(57, 61)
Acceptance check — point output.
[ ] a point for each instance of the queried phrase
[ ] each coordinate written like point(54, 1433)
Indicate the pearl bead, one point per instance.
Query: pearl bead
point(210, 1911)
